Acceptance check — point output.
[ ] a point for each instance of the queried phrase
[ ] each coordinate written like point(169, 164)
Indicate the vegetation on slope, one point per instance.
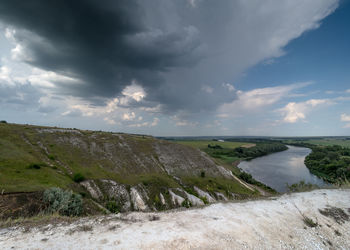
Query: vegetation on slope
point(34, 159)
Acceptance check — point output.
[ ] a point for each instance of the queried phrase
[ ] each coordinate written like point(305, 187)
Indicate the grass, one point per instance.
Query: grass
point(59, 156)
point(224, 186)
point(33, 161)
point(16, 177)
point(34, 158)
point(223, 160)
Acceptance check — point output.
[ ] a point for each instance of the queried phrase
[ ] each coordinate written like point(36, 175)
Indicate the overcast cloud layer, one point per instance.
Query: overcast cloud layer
point(131, 62)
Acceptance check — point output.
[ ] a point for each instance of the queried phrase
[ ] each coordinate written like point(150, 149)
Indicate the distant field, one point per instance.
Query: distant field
point(324, 142)
point(204, 144)
point(329, 142)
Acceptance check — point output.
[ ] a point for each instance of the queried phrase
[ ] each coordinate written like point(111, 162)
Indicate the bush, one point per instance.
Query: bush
point(204, 199)
point(186, 203)
point(64, 202)
point(203, 174)
point(3, 121)
point(246, 177)
point(34, 166)
point(309, 222)
point(52, 157)
point(301, 187)
point(113, 207)
point(157, 202)
point(78, 177)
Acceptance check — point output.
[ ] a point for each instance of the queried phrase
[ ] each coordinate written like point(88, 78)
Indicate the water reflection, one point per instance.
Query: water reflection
point(279, 169)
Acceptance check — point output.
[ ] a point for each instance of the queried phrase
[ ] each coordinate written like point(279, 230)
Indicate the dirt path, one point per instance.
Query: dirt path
point(243, 183)
point(276, 223)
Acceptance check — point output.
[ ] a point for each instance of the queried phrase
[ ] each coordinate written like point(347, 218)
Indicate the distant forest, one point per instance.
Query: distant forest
point(332, 163)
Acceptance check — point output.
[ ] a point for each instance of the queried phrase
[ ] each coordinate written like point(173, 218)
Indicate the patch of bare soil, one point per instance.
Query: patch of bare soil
point(250, 145)
point(335, 213)
point(16, 205)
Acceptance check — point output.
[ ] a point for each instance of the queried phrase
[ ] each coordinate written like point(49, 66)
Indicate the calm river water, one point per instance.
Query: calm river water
point(278, 169)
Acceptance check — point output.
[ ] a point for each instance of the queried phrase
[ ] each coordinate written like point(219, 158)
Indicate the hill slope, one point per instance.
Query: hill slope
point(134, 172)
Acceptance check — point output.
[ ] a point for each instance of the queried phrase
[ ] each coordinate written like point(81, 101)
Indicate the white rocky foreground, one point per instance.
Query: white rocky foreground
point(262, 224)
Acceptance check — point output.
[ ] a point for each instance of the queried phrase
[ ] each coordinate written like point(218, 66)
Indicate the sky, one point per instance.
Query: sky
point(178, 68)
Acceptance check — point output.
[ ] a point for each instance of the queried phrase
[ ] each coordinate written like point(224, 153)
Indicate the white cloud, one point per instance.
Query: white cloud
point(228, 86)
point(207, 89)
point(186, 123)
point(181, 120)
point(134, 91)
point(347, 91)
point(5, 76)
point(193, 3)
point(10, 34)
point(155, 109)
point(294, 112)
point(155, 122)
point(129, 116)
point(255, 100)
point(214, 124)
point(47, 79)
point(345, 118)
point(109, 121)
point(145, 124)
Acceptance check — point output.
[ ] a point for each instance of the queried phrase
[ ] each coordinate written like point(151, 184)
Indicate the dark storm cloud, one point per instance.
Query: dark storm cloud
point(180, 53)
point(105, 44)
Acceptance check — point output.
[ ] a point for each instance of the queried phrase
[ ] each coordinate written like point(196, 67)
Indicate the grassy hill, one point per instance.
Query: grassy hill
point(104, 167)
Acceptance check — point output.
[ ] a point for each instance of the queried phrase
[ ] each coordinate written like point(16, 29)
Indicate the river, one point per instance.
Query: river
point(278, 169)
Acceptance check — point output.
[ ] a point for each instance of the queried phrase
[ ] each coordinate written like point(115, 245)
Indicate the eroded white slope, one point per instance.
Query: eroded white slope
point(264, 224)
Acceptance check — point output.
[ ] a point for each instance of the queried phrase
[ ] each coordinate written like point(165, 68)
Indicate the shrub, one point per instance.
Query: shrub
point(3, 121)
point(52, 157)
point(113, 207)
point(34, 166)
point(246, 177)
point(62, 201)
point(203, 174)
point(186, 203)
point(78, 177)
point(301, 187)
point(309, 222)
point(204, 199)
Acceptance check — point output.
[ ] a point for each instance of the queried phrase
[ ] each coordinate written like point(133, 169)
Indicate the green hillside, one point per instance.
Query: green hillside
point(137, 172)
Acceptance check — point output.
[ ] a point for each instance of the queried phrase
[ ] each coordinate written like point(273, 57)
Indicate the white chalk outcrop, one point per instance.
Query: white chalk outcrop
point(176, 200)
point(276, 223)
point(137, 201)
point(201, 193)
